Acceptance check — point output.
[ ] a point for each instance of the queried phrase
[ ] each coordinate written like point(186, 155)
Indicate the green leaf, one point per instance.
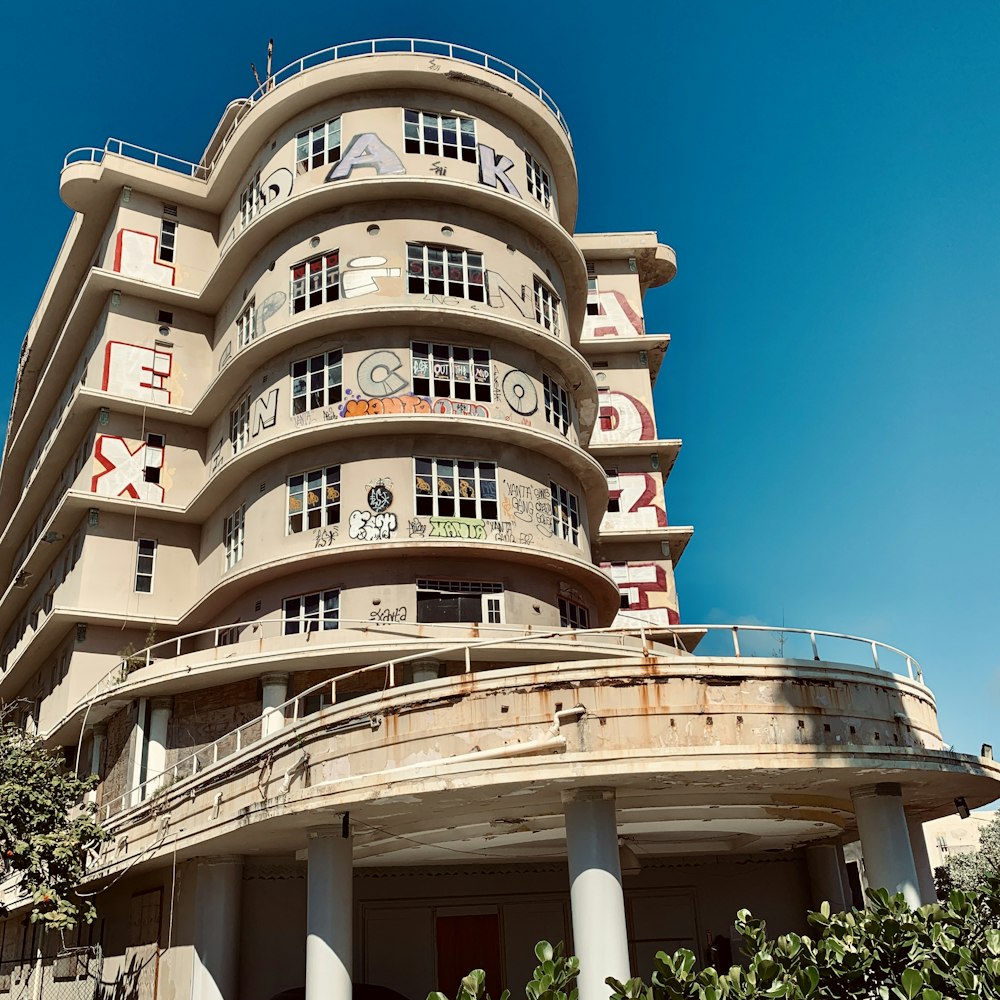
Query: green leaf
point(912, 983)
point(543, 951)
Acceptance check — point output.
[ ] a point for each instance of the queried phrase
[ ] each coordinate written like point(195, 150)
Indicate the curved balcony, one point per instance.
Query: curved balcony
point(689, 742)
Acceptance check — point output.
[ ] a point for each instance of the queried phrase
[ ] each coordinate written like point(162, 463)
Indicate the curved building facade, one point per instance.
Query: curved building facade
point(336, 544)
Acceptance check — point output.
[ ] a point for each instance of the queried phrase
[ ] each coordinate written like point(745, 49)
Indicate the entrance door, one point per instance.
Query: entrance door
point(466, 942)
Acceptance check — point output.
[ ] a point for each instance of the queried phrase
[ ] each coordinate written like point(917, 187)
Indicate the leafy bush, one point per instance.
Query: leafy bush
point(554, 978)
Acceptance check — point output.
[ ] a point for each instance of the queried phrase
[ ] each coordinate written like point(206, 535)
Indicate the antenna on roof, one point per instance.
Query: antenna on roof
point(268, 85)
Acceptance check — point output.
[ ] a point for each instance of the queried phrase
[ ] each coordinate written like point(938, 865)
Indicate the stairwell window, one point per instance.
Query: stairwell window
point(251, 200)
point(246, 325)
point(317, 146)
point(313, 499)
point(239, 425)
point(447, 370)
point(546, 306)
point(455, 487)
point(432, 270)
point(145, 560)
point(317, 381)
point(316, 281)
point(557, 411)
point(573, 615)
point(232, 536)
point(565, 514)
point(311, 612)
point(439, 135)
point(168, 240)
point(539, 184)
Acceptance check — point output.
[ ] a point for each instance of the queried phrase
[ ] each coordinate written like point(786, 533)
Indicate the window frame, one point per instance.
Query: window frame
point(546, 306)
point(167, 252)
point(139, 557)
point(486, 508)
point(329, 509)
point(246, 324)
point(557, 405)
point(331, 361)
point(239, 425)
point(306, 141)
point(423, 258)
point(309, 297)
point(233, 537)
point(491, 594)
point(417, 124)
point(539, 181)
point(472, 388)
point(565, 513)
point(307, 623)
point(251, 200)
point(568, 610)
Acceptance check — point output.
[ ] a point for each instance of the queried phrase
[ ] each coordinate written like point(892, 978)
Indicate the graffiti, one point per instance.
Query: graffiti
point(302, 419)
point(623, 418)
point(528, 504)
point(525, 538)
point(503, 531)
point(379, 497)
point(325, 537)
point(366, 150)
point(378, 374)
point(125, 471)
point(457, 527)
point(359, 278)
point(277, 185)
point(498, 289)
point(638, 501)
point(368, 527)
point(226, 355)
point(135, 257)
point(493, 169)
point(439, 168)
point(130, 369)
point(615, 316)
point(459, 408)
point(271, 306)
point(649, 592)
point(265, 412)
point(329, 413)
point(417, 528)
point(394, 404)
point(520, 393)
point(387, 615)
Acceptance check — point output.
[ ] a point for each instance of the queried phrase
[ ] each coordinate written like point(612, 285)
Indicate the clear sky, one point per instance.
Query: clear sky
point(828, 175)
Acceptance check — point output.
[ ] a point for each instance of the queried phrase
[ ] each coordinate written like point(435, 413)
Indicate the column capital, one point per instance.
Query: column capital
point(99, 730)
point(588, 795)
point(161, 703)
point(883, 789)
point(219, 860)
point(275, 677)
point(335, 829)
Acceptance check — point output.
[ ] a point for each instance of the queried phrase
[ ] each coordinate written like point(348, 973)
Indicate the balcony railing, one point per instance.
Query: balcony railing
point(742, 642)
point(335, 53)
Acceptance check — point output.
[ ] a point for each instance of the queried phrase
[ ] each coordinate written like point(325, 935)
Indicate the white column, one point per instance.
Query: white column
point(922, 861)
point(99, 734)
point(274, 687)
point(845, 878)
point(329, 913)
point(825, 878)
point(216, 963)
point(885, 840)
point(156, 752)
point(600, 937)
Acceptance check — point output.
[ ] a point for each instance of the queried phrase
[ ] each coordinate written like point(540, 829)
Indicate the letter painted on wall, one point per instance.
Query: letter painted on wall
point(649, 590)
point(265, 412)
point(639, 498)
point(391, 404)
point(136, 372)
point(271, 306)
point(359, 278)
point(622, 417)
point(379, 374)
point(457, 527)
point(278, 184)
point(124, 471)
point(366, 150)
point(493, 168)
point(499, 292)
point(459, 408)
point(519, 392)
point(367, 526)
point(615, 317)
point(135, 257)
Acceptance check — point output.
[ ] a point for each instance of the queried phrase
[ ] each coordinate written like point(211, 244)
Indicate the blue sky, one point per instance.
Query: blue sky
point(828, 174)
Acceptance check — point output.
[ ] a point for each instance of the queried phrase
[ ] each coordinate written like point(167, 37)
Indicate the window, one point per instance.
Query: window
point(593, 305)
point(546, 306)
point(614, 487)
point(459, 601)
point(444, 370)
point(246, 325)
point(605, 412)
point(427, 266)
point(168, 240)
point(311, 612)
point(251, 200)
point(316, 381)
point(317, 146)
point(455, 487)
point(538, 180)
point(144, 562)
point(232, 536)
point(314, 499)
point(239, 425)
point(573, 615)
point(565, 514)
point(316, 281)
point(153, 457)
point(440, 135)
point(557, 410)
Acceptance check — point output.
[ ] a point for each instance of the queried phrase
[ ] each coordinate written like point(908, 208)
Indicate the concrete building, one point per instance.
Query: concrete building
point(336, 544)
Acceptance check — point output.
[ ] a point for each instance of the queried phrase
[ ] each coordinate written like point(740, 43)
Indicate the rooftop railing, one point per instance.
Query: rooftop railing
point(746, 642)
point(335, 53)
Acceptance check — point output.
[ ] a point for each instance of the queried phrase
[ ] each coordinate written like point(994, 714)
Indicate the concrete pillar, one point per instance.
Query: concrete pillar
point(922, 861)
point(329, 913)
point(99, 734)
point(275, 693)
point(600, 937)
point(844, 877)
point(216, 959)
point(885, 840)
point(156, 751)
point(825, 878)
